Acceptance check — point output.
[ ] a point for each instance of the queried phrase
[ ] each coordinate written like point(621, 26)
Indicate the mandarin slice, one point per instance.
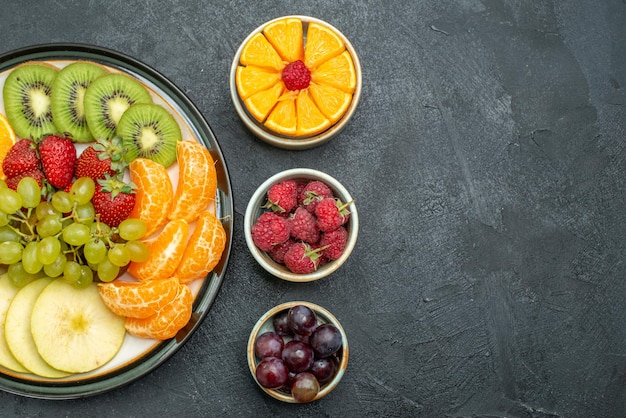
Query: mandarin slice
point(197, 181)
point(154, 193)
point(310, 119)
point(166, 251)
point(204, 249)
point(283, 118)
point(168, 321)
point(285, 35)
point(322, 43)
point(252, 79)
point(332, 102)
point(138, 300)
point(259, 52)
point(260, 104)
point(7, 139)
point(337, 72)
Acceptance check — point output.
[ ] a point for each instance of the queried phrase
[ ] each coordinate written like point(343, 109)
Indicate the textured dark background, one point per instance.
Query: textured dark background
point(487, 158)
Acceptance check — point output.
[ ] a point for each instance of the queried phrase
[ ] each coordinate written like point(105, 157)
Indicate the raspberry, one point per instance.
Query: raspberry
point(278, 251)
point(304, 227)
point(296, 76)
point(282, 197)
point(334, 243)
point(331, 214)
point(313, 192)
point(269, 230)
point(302, 259)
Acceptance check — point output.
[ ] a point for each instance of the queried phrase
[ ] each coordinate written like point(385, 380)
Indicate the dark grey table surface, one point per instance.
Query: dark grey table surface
point(488, 162)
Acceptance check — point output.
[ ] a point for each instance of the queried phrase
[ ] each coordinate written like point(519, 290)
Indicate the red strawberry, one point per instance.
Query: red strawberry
point(22, 157)
point(313, 193)
point(303, 226)
point(334, 243)
point(58, 159)
point(282, 197)
point(296, 76)
point(331, 214)
point(269, 230)
point(278, 251)
point(302, 259)
point(36, 173)
point(113, 200)
point(100, 158)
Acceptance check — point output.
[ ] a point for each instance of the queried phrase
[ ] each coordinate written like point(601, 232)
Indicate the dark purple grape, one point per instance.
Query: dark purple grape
point(280, 324)
point(298, 356)
point(269, 344)
point(323, 369)
point(304, 387)
point(301, 320)
point(325, 341)
point(272, 373)
point(301, 338)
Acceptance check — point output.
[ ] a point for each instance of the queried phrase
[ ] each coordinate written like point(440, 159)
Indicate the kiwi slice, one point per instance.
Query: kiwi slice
point(27, 94)
point(149, 131)
point(68, 93)
point(106, 100)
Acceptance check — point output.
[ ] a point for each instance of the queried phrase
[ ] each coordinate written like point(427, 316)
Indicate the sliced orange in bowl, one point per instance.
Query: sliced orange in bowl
point(252, 79)
point(336, 72)
point(322, 43)
point(311, 120)
point(260, 104)
point(332, 102)
point(258, 51)
point(286, 37)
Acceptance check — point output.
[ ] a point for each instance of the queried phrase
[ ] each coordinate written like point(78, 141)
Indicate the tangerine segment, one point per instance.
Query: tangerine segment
point(138, 300)
point(286, 36)
point(204, 249)
point(332, 102)
point(283, 118)
point(258, 51)
point(260, 104)
point(7, 139)
point(168, 321)
point(166, 251)
point(322, 43)
point(252, 79)
point(310, 119)
point(197, 181)
point(154, 193)
point(337, 72)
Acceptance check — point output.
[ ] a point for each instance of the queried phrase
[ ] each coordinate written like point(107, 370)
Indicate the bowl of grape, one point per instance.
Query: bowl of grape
point(297, 352)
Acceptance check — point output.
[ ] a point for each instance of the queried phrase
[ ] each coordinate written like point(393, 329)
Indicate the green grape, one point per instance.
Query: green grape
point(95, 251)
point(85, 279)
point(3, 184)
point(10, 200)
point(29, 258)
point(20, 277)
point(82, 190)
point(10, 252)
point(9, 234)
point(85, 213)
point(100, 229)
point(46, 208)
point(49, 225)
point(119, 255)
point(4, 219)
point(71, 272)
point(132, 229)
point(107, 271)
point(48, 250)
point(138, 251)
point(61, 201)
point(30, 192)
point(76, 234)
point(56, 268)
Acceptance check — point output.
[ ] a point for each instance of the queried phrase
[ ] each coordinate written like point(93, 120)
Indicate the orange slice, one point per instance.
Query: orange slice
point(310, 119)
point(285, 35)
point(322, 43)
point(168, 321)
point(166, 251)
point(197, 181)
point(337, 72)
point(7, 139)
point(138, 300)
point(260, 104)
point(283, 118)
point(332, 102)
point(154, 193)
point(252, 79)
point(258, 51)
point(204, 249)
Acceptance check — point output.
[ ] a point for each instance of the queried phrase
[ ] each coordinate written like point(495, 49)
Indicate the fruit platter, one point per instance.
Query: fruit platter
point(100, 242)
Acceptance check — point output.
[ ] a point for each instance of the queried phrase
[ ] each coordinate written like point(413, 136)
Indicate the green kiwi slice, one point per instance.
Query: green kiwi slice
point(68, 93)
point(106, 100)
point(149, 131)
point(27, 94)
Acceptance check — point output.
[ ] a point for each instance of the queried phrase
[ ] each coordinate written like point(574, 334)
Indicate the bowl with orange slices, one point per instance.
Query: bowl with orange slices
point(295, 81)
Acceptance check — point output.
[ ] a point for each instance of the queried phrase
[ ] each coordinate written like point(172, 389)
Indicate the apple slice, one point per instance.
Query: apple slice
point(7, 293)
point(17, 330)
point(73, 329)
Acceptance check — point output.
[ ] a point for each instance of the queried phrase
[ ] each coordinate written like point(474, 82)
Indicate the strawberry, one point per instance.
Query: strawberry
point(269, 230)
point(331, 214)
point(58, 159)
point(296, 76)
point(36, 173)
point(113, 200)
point(22, 157)
point(100, 158)
point(282, 197)
point(302, 259)
point(334, 243)
point(303, 226)
point(312, 193)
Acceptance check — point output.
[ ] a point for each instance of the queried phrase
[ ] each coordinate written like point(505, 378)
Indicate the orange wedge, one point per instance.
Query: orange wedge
point(167, 321)
point(337, 72)
point(7, 139)
point(252, 79)
point(138, 300)
point(204, 249)
point(285, 35)
point(166, 251)
point(283, 117)
point(332, 102)
point(259, 52)
point(310, 119)
point(197, 181)
point(154, 193)
point(260, 104)
point(322, 43)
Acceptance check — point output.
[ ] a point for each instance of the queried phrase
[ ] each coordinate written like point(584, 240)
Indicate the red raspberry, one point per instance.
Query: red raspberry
point(278, 251)
point(302, 259)
point(282, 197)
point(303, 226)
point(312, 193)
point(269, 230)
point(296, 76)
point(334, 243)
point(331, 214)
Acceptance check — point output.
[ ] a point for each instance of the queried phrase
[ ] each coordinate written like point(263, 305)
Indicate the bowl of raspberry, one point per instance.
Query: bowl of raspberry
point(297, 352)
point(301, 225)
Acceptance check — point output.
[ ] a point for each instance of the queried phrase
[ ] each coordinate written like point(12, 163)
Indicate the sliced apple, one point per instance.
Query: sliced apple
point(7, 293)
point(73, 329)
point(18, 331)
